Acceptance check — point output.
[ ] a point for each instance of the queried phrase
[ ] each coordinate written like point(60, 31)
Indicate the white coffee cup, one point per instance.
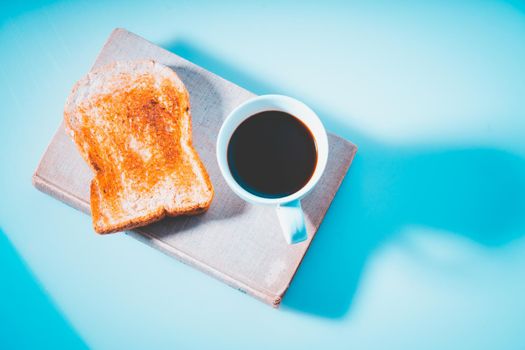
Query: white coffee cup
point(289, 209)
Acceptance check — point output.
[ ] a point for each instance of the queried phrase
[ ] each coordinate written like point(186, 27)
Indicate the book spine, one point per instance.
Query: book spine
point(140, 234)
point(54, 191)
point(145, 237)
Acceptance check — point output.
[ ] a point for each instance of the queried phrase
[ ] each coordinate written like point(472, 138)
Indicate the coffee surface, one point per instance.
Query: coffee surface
point(272, 154)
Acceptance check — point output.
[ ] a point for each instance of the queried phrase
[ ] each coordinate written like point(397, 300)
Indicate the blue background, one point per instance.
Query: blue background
point(423, 247)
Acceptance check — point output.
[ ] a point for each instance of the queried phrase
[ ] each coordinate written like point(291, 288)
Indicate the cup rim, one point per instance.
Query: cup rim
point(268, 103)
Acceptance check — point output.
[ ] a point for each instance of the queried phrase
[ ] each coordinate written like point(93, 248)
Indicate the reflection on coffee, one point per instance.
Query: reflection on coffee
point(272, 154)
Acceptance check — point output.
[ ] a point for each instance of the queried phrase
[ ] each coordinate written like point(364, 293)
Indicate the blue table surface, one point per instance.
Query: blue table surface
point(424, 245)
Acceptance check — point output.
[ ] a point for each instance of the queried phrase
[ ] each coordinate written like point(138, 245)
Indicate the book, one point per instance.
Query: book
point(239, 243)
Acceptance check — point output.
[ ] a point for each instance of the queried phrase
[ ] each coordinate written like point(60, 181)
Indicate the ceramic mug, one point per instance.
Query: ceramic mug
point(289, 209)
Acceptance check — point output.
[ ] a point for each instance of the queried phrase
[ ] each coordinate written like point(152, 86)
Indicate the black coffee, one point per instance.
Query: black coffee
point(272, 154)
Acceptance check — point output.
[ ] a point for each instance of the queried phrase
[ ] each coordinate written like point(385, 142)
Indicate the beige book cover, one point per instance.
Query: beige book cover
point(236, 242)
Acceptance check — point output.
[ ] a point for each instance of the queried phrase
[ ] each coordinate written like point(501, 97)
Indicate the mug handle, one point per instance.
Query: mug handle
point(292, 223)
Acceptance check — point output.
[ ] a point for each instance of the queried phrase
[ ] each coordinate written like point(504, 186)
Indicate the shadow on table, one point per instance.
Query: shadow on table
point(28, 318)
point(476, 192)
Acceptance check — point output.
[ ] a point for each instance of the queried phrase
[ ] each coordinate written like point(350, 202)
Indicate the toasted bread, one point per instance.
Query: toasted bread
point(131, 123)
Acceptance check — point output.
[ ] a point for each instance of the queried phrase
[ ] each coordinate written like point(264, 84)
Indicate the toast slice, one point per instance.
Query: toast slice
point(131, 122)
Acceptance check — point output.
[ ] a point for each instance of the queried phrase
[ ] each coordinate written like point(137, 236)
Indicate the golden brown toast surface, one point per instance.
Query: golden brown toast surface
point(131, 122)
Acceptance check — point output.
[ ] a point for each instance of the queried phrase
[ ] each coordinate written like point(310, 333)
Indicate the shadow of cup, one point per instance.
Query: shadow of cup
point(475, 192)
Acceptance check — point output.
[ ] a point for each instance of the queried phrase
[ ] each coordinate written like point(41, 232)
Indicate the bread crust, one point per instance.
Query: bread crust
point(155, 97)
